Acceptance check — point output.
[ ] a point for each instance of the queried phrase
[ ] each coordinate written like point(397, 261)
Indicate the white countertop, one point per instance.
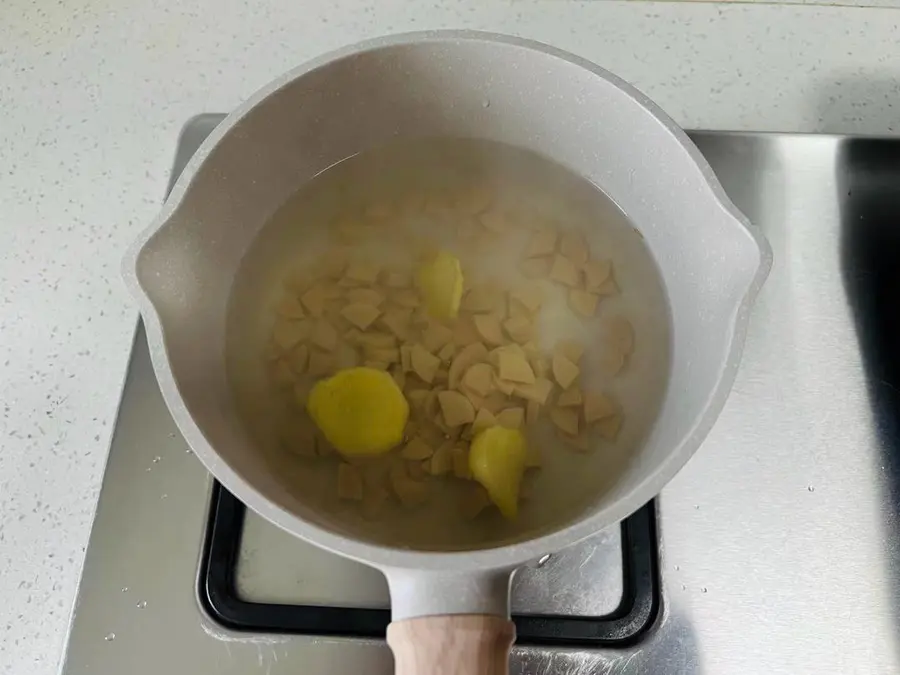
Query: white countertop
point(91, 99)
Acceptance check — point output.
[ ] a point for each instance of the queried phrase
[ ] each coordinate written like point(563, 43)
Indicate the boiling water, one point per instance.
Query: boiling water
point(533, 192)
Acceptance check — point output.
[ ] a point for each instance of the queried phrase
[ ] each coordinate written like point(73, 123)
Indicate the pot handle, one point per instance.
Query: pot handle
point(452, 644)
point(447, 623)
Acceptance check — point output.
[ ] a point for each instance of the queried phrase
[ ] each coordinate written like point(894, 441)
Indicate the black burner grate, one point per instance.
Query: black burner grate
point(218, 592)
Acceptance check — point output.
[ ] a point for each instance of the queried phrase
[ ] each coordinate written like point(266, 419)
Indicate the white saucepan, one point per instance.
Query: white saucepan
point(450, 609)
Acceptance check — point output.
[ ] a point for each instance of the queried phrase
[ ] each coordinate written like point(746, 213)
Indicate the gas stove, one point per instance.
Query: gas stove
point(773, 552)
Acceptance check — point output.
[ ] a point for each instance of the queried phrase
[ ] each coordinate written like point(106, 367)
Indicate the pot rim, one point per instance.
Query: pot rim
point(501, 557)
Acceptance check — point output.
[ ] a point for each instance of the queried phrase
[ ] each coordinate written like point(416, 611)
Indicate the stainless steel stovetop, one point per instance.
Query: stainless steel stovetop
point(775, 551)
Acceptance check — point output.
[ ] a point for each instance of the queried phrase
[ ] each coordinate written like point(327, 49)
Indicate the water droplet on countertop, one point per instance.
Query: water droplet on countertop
point(677, 567)
point(109, 637)
point(124, 589)
point(163, 496)
point(142, 604)
point(683, 587)
point(486, 103)
point(696, 507)
point(543, 560)
point(810, 488)
point(156, 459)
point(703, 589)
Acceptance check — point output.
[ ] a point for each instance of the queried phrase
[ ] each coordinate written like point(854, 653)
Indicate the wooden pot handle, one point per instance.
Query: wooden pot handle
point(452, 644)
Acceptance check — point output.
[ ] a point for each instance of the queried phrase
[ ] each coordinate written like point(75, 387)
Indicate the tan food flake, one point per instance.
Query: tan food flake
point(582, 302)
point(596, 272)
point(479, 378)
point(564, 271)
point(611, 363)
point(479, 299)
point(396, 279)
point(290, 307)
point(477, 400)
point(464, 332)
point(570, 349)
point(435, 336)
point(542, 243)
point(314, 300)
point(376, 340)
point(410, 493)
point(416, 449)
point(324, 335)
point(495, 402)
point(536, 268)
point(441, 461)
point(565, 419)
point(389, 355)
point(570, 398)
point(321, 364)
point(446, 352)
point(288, 334)
point(505, 386)
point(456, 408)
point(496, 222)
point(620, 333)
point(406, 358)
point(460, 458)
point(519, 329)
point(597, 407)
point(540, 366)
point(365, 296)
point(537, 392)
point(488, 327)
point(609, 427)
point(574, 246)
point(514, 367)
point(467, 357)
point(360, 315)
point(608, 288)
point(397, 321)
point(350, 482)
point(406, 298)
point(299, 359)
point(297, 280)
point(579, 442)
point(424, 363)
point(362, 272)
point(564, 371)
point(512, 418)
point(485, 419)
point(417, 400)
point(473, 501)
point(530, 296)
point(517, 311)
point(474, 200)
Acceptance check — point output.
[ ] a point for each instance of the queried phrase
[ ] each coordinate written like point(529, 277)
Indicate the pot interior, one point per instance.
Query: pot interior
point(446, 88)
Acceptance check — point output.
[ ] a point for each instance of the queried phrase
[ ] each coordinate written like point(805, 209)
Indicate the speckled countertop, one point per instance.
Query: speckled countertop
point(92, 95)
